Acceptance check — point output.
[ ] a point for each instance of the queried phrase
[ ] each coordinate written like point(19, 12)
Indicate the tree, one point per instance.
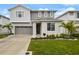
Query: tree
point(70, 26)
point(9, 27)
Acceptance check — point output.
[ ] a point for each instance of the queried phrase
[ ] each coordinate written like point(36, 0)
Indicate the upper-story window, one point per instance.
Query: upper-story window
point(77, 15)
point(45, 14)
point(51, 14)
point(19, 14)
point(39, 14)
point(50, 26)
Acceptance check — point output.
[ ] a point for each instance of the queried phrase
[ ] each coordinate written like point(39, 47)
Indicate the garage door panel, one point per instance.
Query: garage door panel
point(23, 30)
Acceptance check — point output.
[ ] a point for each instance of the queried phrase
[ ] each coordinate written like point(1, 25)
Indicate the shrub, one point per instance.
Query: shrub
point(75, 35)
point(51, 36)
point(64, 35)
point(37, 38)
point(57, 36)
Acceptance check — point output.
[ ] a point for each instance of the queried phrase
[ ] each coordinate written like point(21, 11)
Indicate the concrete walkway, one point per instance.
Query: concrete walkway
point(15, 45)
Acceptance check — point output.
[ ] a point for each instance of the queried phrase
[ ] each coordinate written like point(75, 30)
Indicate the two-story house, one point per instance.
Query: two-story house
point(4, 20)
point(33, 22)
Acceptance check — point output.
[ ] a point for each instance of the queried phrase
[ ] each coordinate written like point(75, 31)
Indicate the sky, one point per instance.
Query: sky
point(61, 8)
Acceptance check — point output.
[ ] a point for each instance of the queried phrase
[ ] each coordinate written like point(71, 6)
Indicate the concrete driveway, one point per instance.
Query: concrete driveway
point(15, 45)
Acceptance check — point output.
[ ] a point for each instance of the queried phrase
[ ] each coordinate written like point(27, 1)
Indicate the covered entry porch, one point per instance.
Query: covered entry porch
point(37, 29)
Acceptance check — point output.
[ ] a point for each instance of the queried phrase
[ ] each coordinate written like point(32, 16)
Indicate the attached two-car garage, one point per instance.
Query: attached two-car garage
point(26, 30)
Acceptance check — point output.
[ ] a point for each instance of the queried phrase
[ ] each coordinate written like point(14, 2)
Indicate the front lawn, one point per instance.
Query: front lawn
point(54, 47)
point(3, 36)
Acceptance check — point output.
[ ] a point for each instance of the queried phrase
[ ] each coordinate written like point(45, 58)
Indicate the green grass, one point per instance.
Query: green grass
point(54, 47)
point(3, 36)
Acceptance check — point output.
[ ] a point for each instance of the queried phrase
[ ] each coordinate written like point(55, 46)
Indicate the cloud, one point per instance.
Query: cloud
point(70, 9)
point(7, 15)
point(69, 4)
point(63, 10)
point(4, 12)
point(43, 9)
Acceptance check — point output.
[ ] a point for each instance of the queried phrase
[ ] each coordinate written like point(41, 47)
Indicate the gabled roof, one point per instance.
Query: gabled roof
point(65, 13)
point(19, 6)
point(4, 17)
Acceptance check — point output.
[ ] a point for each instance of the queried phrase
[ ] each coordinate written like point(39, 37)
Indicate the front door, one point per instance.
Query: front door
point(38, 28)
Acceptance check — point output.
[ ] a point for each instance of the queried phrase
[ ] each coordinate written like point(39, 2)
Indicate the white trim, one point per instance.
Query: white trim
point(39, 14)
point(20, 12)
point(45, 14)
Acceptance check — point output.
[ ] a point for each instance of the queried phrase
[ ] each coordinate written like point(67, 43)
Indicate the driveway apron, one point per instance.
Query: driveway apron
point(15, 45)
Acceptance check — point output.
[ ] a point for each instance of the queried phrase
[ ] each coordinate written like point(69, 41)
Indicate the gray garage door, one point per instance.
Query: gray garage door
point(23, 30)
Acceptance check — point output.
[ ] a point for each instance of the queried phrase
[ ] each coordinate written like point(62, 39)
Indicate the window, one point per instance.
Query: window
point(19, 13)
point(77, 15)
point(45, 14)
point(51, 14)
point(39, 14)
point(50, 26)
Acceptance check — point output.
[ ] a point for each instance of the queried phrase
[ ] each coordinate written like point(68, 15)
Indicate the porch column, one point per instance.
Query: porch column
point(34, 30)
point(13, 29)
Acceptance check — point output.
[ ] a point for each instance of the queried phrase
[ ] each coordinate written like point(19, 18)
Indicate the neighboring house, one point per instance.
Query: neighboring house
point(70, 16)
point(3, 20)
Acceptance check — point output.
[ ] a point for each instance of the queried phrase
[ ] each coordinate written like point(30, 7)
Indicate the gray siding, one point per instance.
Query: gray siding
point(25, 18)
point(34, 15)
